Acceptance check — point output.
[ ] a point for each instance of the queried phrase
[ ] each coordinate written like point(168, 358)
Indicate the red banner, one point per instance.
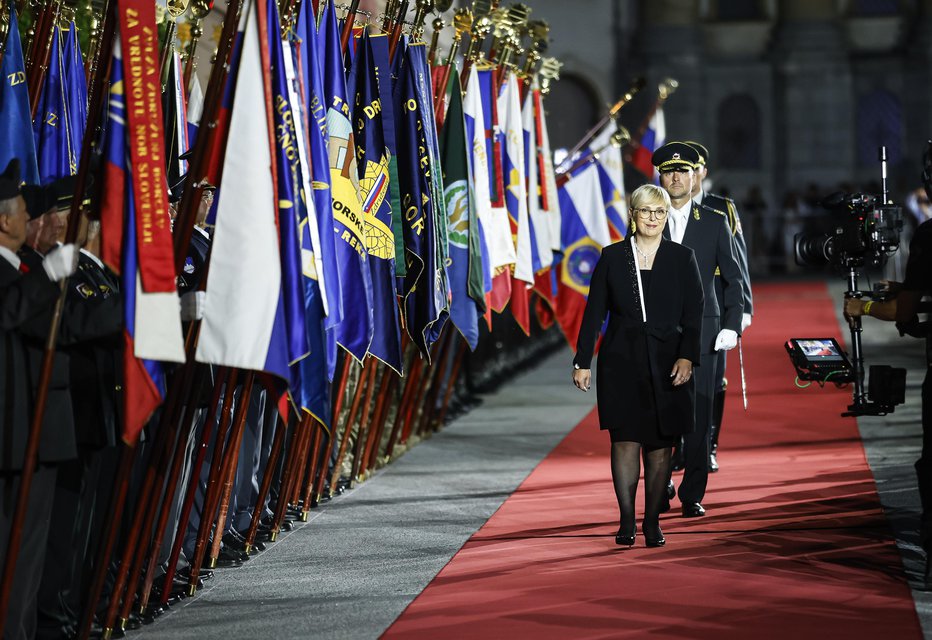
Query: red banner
point(146, 136)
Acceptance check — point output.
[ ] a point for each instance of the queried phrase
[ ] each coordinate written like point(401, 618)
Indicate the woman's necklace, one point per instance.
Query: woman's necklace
point(646, 256)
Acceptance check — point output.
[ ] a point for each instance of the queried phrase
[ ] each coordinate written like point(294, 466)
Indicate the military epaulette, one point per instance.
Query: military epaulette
point(731, 213)
point(700, 207)
point(725, 198)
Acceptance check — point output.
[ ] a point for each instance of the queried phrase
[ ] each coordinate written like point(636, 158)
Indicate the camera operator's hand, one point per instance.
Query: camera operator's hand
point(726, 340)
point(854, 308)
point(745, 321)
point(890, 287)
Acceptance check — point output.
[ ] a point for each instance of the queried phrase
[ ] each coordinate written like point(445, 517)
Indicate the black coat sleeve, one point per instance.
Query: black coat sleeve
point(731, 280)
point(88, 319)
point(26, 297)
point(594, 315)
point(742, 251)
point(693, 305)
point(82, 318)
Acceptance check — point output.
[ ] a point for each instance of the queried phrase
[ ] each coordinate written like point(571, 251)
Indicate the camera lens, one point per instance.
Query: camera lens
point(813, 250)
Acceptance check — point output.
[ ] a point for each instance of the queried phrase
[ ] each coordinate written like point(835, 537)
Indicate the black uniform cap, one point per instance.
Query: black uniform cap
point(56, 195)
point(9, 181)
point(675, 155)
point(701, 150)
point(176, 190)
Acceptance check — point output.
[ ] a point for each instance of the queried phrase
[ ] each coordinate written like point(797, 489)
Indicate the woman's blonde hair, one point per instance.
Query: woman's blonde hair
point(646, 194)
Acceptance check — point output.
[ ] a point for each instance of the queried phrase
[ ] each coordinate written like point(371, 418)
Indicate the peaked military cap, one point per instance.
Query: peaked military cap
point(56, 195)
point(9, 181)
point(675, 155)
point(176, 190)
point(39, 200)
point(701, 150)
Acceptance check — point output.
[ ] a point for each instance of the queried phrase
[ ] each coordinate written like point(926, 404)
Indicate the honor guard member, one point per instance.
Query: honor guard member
point(89, 314)
point(28, 293)
point(83, 486)
point(706, 232)
point(727, 207)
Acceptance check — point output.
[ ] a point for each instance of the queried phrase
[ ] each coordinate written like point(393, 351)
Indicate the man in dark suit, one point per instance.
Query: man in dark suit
point(727, 207)
point(27, 295)
point(83, 486)
point(705, 232)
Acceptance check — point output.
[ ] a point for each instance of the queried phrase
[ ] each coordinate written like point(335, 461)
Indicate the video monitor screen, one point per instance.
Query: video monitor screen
point(819, 349)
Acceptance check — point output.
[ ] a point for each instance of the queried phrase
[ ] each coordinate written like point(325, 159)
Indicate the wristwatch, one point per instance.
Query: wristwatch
point(575, 366)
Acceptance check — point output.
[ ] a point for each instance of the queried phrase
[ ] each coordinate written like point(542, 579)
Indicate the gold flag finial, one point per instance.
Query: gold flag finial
point(422, 7)
point(666, 88)
point(549, 73)
point(621, 137)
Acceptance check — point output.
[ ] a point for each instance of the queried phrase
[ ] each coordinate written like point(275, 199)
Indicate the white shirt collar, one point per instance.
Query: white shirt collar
point(10, 257)
point(684, 211)
point(699, 197)
point(93, 257)
point(677, 221)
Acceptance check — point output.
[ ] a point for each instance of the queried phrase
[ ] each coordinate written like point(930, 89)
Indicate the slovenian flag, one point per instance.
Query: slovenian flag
point(498, 252)
point(513, 170)
point(244, 311)
point(612, 180)
point(152, 332)
point(654, 136)
point(583, 234)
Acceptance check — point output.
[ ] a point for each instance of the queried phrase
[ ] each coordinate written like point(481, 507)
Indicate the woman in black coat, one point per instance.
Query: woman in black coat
point(650, 290)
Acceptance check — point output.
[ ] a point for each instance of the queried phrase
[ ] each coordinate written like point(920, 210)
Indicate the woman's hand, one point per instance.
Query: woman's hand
point(682, 371)
point(582, 378)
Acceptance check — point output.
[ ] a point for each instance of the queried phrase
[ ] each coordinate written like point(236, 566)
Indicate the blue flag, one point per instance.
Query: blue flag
point(15, 114)
point(75, 89)
point(380, 59)
point(310, 62)
point(289, 205)
point(372, 160)
point(52, 126)
point(423, 300)
point(354, 334)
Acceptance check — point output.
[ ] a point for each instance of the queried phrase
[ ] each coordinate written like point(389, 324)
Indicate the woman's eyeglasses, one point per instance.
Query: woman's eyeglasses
point(645, 214)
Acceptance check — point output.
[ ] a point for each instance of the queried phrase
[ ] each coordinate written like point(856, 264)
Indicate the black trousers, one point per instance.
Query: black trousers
point(718, 400)
point(696, 449)
point(21, 614)
point(924, 465)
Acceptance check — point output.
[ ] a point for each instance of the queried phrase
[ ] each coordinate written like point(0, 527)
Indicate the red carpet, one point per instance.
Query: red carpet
point(794, 544)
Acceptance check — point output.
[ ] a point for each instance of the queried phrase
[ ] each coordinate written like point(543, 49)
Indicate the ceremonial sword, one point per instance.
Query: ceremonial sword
point(744, 386)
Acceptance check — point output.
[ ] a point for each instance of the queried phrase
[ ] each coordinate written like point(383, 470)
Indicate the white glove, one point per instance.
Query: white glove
point(192, 305)
point(745, 321)
point(61, 262)
point(726, 340)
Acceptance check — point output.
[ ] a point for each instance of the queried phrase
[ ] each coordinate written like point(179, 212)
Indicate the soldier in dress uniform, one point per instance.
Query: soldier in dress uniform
point(28, 292)
point(706, 232)
point(727, 207)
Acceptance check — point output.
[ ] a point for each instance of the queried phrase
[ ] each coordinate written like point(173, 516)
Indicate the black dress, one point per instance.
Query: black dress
point(643, 337)
point(646, 430)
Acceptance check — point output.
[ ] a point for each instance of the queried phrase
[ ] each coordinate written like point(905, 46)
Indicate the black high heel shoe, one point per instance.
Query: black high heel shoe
point(624, 539)
point(654, 539)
